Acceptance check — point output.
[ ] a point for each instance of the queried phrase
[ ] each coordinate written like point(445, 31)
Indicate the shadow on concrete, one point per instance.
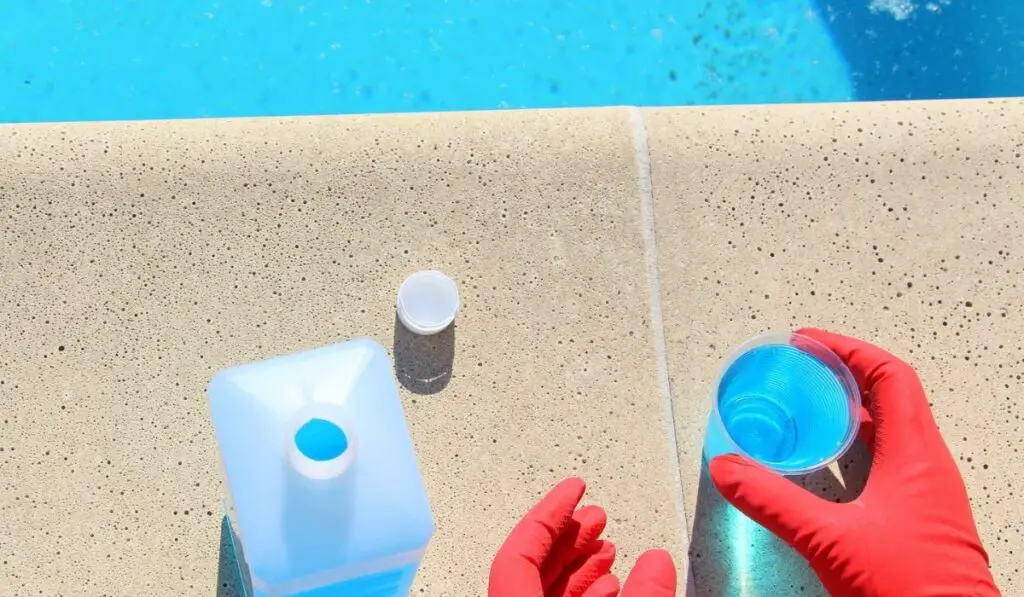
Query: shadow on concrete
point(231, 582)
point(423, 364)
point(955, 49)
point(732, 555)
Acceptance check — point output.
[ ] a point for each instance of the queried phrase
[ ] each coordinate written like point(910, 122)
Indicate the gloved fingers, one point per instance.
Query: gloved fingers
point(789, 511)
point(583, 530)
point(606, 586)
point(890, 389)
point(866, 432)
point(516, 567)
point(577, 578)
point(654, 575)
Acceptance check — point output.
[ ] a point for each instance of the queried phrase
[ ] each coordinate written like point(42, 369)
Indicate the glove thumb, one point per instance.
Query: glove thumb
point(792, 513)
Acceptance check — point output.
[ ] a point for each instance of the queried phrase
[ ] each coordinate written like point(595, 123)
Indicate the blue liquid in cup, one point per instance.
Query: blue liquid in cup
point(784, 407)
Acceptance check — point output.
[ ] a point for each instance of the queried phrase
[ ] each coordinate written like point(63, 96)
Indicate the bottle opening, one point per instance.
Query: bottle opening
point(321, 440)
point(321, 444)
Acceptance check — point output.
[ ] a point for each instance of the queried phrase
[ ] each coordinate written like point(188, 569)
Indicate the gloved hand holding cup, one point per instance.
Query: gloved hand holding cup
point(910, 532)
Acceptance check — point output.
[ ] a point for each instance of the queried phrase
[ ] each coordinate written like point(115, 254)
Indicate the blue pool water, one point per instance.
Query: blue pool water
point(784, 407)
point(128, 59)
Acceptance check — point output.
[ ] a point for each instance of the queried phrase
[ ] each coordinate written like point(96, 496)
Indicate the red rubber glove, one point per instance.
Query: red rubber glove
point(910, 532)
point(556, 551)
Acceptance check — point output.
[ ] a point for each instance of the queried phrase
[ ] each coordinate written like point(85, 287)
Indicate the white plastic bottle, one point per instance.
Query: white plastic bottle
point(327, 495)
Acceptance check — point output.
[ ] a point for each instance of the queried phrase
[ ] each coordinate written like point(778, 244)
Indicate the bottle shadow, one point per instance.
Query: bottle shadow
point(231, 580)
point(423, 364)
point(732, 555)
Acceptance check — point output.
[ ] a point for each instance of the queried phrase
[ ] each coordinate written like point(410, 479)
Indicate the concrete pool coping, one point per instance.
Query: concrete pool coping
point(607, 260)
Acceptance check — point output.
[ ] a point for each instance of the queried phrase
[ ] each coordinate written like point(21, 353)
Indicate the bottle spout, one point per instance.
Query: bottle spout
point(321, 444)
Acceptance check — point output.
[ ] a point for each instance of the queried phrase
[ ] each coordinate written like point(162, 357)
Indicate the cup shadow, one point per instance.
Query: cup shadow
point(423, 364)
point(732, 555)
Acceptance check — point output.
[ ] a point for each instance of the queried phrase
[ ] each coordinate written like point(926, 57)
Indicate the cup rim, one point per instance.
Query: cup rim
point(837, 365)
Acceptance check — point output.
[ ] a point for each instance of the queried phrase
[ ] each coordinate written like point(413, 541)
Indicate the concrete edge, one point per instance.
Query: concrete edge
point(645, 192)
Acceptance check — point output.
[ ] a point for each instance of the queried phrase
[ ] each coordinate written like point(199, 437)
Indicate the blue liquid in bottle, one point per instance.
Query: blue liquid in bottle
point(783, 407)
point(327, 495)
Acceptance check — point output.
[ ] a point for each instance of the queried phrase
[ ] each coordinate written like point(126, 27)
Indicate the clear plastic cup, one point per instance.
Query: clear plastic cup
point(786, 401)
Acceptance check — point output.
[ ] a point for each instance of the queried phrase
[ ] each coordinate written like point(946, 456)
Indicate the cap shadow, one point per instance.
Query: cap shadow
point(423, 364)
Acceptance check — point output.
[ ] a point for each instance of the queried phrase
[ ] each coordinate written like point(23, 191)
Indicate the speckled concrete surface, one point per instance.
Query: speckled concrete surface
point(141, 258)
point(896, 223)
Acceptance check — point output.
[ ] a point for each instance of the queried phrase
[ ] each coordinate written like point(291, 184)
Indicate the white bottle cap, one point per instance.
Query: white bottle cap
point(427, 302)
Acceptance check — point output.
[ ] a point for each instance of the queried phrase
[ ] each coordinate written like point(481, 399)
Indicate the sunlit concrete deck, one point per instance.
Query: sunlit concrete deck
point(607, 260)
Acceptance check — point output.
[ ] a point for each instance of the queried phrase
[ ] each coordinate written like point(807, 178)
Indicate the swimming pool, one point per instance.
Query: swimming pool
point(66, 60)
